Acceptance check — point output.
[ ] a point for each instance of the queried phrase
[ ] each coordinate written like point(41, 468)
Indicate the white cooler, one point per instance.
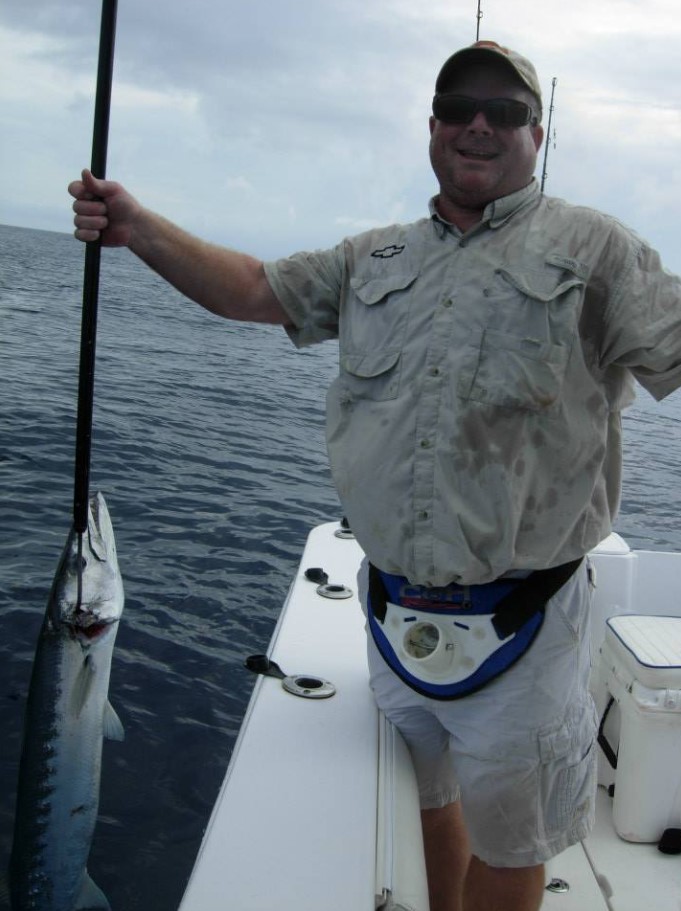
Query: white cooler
point(640, 704)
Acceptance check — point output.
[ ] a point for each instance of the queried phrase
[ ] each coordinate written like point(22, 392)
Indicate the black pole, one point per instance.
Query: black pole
point(545, 173)
point(88, 335)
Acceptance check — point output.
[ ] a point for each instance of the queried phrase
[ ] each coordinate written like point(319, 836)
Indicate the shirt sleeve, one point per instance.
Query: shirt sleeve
point(308, 286)
point(643, 320)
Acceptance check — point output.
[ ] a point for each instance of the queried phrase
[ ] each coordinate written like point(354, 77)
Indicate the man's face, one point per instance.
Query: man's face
point(476, 162)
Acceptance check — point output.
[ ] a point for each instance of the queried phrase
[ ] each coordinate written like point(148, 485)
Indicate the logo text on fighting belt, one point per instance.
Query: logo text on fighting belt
point(418, 596)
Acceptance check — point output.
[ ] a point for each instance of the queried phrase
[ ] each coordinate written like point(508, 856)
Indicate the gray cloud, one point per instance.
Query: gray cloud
point(277, 125)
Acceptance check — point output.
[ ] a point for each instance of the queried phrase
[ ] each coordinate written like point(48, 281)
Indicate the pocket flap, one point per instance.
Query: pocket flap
point(556, 744)
point(570, 264)
point(371, 363)
point(523, 284)
point(372, 290)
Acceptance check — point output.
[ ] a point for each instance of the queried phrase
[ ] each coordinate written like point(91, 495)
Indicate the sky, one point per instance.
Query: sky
point(280, 125)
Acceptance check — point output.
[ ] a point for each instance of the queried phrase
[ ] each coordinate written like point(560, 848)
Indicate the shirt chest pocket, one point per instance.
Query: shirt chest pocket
point(372, 335)
point(522, 361)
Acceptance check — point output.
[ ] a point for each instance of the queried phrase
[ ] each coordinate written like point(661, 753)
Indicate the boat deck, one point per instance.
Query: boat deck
point(299, 817)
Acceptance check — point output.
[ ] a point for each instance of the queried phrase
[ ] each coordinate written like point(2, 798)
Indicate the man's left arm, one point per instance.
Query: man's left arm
point(642, 322)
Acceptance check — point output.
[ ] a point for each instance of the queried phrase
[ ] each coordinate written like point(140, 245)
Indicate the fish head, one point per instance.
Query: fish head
point(87, 592)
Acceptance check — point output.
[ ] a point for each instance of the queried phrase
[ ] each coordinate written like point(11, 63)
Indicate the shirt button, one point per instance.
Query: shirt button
point(448, 302)
point(434, 371)
point(423, 514)
point(425, 444)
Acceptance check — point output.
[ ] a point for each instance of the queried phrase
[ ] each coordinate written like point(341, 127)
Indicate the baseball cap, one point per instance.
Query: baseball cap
point(486, 50)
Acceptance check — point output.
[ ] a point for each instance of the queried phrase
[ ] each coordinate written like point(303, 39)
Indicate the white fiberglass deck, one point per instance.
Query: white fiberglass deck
point(296, 824)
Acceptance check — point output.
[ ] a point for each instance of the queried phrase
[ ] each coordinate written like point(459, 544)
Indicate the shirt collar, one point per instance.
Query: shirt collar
point(496, 212)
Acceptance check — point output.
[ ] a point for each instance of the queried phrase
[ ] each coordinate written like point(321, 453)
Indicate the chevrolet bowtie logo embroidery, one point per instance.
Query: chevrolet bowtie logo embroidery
point(387, 252)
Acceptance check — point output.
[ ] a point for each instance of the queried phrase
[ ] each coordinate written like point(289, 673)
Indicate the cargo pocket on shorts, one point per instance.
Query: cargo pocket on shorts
point(567, 775)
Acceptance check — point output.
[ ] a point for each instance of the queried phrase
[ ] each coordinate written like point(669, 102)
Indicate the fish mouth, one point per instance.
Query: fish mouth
point(89, 629)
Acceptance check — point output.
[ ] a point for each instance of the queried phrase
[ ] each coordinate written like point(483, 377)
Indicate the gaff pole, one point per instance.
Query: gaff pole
point(88, 334)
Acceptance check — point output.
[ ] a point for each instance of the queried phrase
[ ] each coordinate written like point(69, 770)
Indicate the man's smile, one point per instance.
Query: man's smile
point(477, 154)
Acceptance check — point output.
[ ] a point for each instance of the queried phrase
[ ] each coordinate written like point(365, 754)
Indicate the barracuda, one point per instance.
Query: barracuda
point(67, 715)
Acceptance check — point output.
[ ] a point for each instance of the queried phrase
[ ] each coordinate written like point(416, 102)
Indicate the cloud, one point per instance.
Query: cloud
point(275, 126)
point(238, 183)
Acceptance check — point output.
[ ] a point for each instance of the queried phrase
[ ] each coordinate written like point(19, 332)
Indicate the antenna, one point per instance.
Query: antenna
point(548, 135)
point(478, 17)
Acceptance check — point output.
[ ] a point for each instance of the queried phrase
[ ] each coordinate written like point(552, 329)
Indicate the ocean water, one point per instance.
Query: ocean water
point(208, 445)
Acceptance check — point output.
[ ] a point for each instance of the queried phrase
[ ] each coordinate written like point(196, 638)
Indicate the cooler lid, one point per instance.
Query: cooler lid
point(650, 647)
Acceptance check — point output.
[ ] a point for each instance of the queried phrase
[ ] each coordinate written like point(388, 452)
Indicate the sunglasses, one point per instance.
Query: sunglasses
point(499, 112)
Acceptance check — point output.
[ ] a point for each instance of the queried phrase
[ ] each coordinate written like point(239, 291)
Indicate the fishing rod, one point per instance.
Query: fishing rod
point(88, 336)
point(478, 18)
point(548, 135)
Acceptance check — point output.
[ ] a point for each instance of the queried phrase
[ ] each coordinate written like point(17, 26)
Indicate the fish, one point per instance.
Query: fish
point(67, 716)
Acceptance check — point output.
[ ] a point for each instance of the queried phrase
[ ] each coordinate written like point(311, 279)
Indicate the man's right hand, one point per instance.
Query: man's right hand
point(230, 284)
point(104, 209)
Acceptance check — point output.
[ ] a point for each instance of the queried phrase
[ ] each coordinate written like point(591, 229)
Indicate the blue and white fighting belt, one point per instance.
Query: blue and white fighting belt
point(448, 642)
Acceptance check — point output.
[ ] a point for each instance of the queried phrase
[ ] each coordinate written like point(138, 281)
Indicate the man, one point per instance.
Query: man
point(474, 435)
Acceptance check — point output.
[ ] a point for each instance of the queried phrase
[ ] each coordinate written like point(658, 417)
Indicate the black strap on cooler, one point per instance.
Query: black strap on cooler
point(528, 597)
point(608, 751)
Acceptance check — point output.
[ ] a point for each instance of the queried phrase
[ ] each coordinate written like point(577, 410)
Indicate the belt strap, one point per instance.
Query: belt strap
point(528, 596)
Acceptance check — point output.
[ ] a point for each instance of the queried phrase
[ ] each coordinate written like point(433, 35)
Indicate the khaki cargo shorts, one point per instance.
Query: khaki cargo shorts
point(520, 753)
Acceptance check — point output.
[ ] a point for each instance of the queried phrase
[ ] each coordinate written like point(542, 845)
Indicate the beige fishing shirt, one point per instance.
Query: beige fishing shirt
point(475, 424)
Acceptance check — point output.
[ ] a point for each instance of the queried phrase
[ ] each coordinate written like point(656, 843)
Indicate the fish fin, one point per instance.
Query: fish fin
point(82, 686)
point(113, 729)
point(91, 897)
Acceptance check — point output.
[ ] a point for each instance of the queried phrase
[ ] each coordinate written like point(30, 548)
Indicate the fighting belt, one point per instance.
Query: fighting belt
point(448, 642)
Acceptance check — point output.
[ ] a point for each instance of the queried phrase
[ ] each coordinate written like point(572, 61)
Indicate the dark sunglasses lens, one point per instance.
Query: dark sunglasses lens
point(504, 112)
point(454, 108)
point(499, 112)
